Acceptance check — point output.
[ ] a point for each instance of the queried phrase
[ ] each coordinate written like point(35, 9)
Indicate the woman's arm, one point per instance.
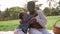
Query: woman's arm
point(41, 19)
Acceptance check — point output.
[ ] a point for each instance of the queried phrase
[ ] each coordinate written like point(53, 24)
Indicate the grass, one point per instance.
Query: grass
point(8, 25)
point(51, 21)
point(12, 24)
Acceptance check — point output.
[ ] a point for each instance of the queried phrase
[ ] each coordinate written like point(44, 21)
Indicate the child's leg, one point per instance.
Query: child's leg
point(18, 31)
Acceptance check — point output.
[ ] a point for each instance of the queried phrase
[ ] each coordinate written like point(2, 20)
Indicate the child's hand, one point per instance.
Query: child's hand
point(15, 32)
point(22, 21)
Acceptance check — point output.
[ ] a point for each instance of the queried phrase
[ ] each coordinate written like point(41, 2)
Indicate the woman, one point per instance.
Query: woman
point(37, 27)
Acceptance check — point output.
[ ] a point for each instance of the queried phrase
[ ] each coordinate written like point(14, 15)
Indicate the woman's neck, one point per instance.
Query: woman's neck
point(32, 12)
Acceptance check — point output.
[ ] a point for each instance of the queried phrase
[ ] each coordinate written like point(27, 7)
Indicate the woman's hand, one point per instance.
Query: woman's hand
point(32, 20)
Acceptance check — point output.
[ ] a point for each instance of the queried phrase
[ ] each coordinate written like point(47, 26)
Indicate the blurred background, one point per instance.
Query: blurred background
point(9, 10)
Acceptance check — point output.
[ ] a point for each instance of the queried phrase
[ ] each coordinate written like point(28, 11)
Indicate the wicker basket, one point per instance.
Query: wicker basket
point(56, 28)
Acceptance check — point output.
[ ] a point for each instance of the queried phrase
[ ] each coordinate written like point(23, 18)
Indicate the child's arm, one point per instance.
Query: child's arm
point(22, 21)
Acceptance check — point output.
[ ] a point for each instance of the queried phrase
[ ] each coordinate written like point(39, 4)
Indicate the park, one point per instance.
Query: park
point(9, 18)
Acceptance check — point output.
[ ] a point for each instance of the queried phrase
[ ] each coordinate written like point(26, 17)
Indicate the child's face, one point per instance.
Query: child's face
point(25, 14)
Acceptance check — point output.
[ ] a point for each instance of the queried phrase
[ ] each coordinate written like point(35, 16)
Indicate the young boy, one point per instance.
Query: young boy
point(24, 24)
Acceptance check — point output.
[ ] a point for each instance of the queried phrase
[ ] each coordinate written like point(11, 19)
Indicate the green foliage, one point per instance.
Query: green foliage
point(47, 11)
point(51, 12)
point(58, 9)
point(55, 12)
point(0, 13)
point(12, 13)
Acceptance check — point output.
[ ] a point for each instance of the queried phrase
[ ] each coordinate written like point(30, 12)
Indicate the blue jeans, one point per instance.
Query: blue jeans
point(38, 31)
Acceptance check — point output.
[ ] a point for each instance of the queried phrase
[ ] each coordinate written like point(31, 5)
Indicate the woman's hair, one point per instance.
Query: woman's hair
point(31, 4)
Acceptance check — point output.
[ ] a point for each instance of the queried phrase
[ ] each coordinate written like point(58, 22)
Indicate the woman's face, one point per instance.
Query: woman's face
point(30, 8)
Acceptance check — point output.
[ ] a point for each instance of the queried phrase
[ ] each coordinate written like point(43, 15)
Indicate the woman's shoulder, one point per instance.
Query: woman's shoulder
point(39, 11)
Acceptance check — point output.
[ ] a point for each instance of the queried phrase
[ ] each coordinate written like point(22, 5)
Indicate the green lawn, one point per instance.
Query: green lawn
point(8, 25)
point(52, 20)
point(12, 24)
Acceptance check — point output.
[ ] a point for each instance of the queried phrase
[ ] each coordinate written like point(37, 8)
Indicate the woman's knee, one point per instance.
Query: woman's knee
point(44, 31)
point(34, 31)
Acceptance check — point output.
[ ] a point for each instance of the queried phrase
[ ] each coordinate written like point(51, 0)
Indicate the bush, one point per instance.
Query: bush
point(47, 11)
point(51, 12)
point(11, 13)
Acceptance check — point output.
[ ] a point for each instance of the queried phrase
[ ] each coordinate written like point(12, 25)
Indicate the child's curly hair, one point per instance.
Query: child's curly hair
point(20, 15)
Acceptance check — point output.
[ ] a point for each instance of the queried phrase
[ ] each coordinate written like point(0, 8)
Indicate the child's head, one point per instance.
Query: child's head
point(22, 15)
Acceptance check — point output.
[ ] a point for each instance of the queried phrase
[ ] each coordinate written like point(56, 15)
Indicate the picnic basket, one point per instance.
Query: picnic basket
point(56, 27)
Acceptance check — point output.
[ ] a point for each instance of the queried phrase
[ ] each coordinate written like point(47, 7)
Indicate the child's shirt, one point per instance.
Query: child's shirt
point(24, 26)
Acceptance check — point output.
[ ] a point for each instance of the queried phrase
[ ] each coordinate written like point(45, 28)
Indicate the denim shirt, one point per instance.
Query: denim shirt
point(24, 26)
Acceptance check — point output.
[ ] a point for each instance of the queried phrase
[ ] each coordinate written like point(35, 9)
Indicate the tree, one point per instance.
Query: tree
point(47, 11)
point(50, 3)
point(0, 13)
point(7, 12)
point(58, 7)
point(13, 12)
point(54, 12)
